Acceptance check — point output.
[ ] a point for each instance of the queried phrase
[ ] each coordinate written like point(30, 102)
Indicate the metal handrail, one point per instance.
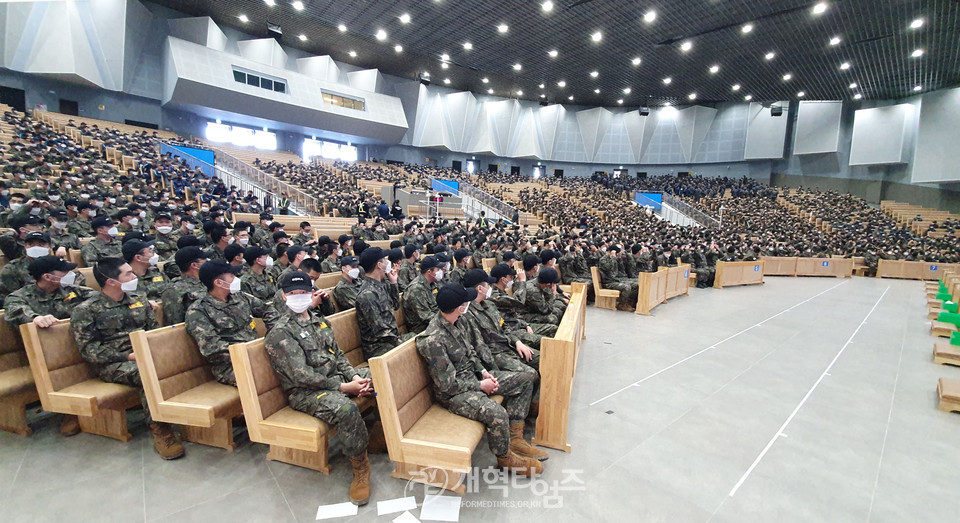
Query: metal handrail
point(480, 196)
point(692, 212)
point(273, 185)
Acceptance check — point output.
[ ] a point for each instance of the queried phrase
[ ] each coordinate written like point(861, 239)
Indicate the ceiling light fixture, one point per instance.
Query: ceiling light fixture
point(787, 77)
point(444, 65)
point(571, 98)
point(835, 40)
point(620, 101)
point(650, 16)
point(916, 24)
point(686, 46)
point(820, 8)
point(714, 69)
point(667, 80)
point(542, 86)
point(467, 46)
point(342, 28)
point(636, 61)
point(594, 74)
point(746, 28)
point(243, 18)
point(918, 88)
point(547, 6)
point(398, 48)
point(553, 53)
point(857, 96)
point(627, 90)
point(801, 94)
point(596, 37)
point(298, 5)
point(692, 96)
point(853, 85)
point(735, 88)
point(271, 3)
point(381, 35)
point(303, 38)
point(561, 84)
point(748, 98)
point(917, 53)
point(446, 81)
point(770, 56)
point(596, 91)
point(404, 18)
point(485, 80)
point(517, 67)
point(489, 91)
point(503, 28)
point(353, 54)
point(445, 57)
point(542, 95)
point(844, 66)
point(519, 93)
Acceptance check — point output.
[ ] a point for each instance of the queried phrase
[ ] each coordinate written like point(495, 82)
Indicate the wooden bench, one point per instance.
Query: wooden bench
point(427, 443)
point(942, 329)
point(17, 388)
point(488, 264)
point(68, 384)
point(949, 393)
point(946, 354)
point(604, 298)
point(558, 364)
point(294, 437)
point(180, 388)
point(730, 274)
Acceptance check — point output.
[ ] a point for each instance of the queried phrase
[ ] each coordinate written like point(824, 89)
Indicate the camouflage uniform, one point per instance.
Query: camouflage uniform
point(420, 303)
point(102, 327)
point(345, 293)
point(311, 367)
point(166, 245)
point(260, 286)
point(510, 309)
point(178, 296)
point(326, 306)
point(608, 269)
point(152, 283)
point(97, 249)
point(487, 324)
point(456, 275)
point(455, 369)
point(301, 239)
point(376, 302)
point(26, 303)
point(408, 272)
point(329, 265)
point(215, 325)
point(63, 239)
point(540, 305)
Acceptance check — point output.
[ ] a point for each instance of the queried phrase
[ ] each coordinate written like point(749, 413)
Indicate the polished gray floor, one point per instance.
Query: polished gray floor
point(803, 399)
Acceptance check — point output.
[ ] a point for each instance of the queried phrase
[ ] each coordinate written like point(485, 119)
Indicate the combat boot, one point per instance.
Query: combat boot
point(519, 465)
point(165, 442)
point(377, 443)
point(534, 409)
point(70, 426)
point(520, 445)
point(360, 486)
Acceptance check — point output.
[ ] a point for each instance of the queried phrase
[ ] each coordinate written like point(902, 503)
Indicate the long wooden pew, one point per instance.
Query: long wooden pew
point(17, 388)
point(658, 287)
point(730, 274)
point(830, 267)
point(913, 270)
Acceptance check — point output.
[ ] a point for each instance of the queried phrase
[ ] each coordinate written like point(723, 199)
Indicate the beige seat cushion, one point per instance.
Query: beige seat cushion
point(15, 381)
point(438, 425)
point(224, 399)
point(288, 416)
point(108, 395)
point(950, 389)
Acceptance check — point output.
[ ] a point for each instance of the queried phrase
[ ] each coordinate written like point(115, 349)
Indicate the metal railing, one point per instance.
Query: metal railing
point(299, 199)
point(476, 200)
point(695, 214)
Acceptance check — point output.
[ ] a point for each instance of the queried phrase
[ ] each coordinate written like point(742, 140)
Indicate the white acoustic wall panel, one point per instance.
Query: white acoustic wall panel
point(818, 128)
point(367, 80)
point(434, 133)
point(766, 134)
point(593, 127)
point(549, 118)
point(201, 30)
point(525, 142)
point(882, 135)
point(265, 51)
point(692, 125)
point(319, 67)
point(640, 130)
point(504, 116)
point(483, 141)
point(934, 159)
point(460, 111)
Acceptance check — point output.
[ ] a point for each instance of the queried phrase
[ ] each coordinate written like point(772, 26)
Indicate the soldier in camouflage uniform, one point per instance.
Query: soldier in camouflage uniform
point(104, 245)
point(166, 238)
point(101, 327)
point(80, 225)
point(345, 293)
point(420, 297)
point(543, 303)
point(142, 259)
point(408, 268)
point(60, 239)
point(330, 263)
point(376, 301)
point(462, 384)
point(224, 316)
point(261, 231)
point(456, 275)
point(511, 308)
point(179, 295)
point(609, 269)
point(256, 282)
point(317, 377)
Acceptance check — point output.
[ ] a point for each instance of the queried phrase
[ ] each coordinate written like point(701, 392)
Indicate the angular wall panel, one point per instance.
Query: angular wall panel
point(934, 159)
point(526, 144)
point(200, 30)
point(319, 67)
point(460, 112)
point(265, 51)
point(640, 131)
point(818, 128)
point(367, 80)
point(882, 135)
point(593, 127)
point(766, 135)
point(692, 125)
point(434, 132)
point(549, 117)
point(483, 141)
point(504, 115)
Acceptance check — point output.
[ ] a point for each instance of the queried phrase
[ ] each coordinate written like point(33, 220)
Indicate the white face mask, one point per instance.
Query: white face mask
point(36, 252)
point(244, 241)
point(68, 280)
point(204, 209)
point(155, 259)
point(389, 267)
point(230, 241)
point(15, 206)
point(143, 214)
point(191, 226)
point(113, 232)
point(113, 200)
point(85, 196)
point(269, 261)
point(299, 302)
point(339, 252)
point(466, 261)
point(134, 222)
point(54, 197)
point(129, 286)
point(533, 248)
point(92, 214)
point(164, 229)
point(510, 284)
point(60, 225)
point(489, 291)
point(438, 275)
point(235, 285)
point(35, 210)
point(354, 273)
point(99, 204)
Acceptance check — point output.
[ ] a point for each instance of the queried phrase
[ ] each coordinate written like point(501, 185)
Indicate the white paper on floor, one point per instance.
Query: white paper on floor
point(406, 517)
point(396, 505)
point(440, 508)
point(338, 510)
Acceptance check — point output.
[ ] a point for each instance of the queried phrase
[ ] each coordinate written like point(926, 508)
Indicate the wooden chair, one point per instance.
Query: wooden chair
point(87, 273)
point(16, 382)
point(327, 281)
point(74, 256)
point(68, 384)
point(180, 388)
point(605, 298)
point(294, 437)
point(488, 264)
point(427, 443)
point(948, 392)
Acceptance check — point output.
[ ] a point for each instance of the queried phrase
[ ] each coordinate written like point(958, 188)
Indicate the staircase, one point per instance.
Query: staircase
point(677, 212)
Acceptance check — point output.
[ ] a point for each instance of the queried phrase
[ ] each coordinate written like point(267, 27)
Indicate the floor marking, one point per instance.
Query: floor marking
point(715, 345)
point(805, 398)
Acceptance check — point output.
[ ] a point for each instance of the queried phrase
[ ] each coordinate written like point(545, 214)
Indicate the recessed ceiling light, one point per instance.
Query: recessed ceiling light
point(594, 74)
point(636, 61)
point(468, 46)
point(303, 38)
point(686, 46)
point(918, 88)
point(650, 16)
point(735, 88)
point(853, 85)
point(547, 6)
point(857, 96)
point(553, 53)
point(596, 91)
point(489, 91)
point(446, 81)
point(426, 73)
point(746, 28)
point(692, 96)
point(770, 56)
point(627, 90)
point(787, 77)
point(596, 37)
point(561, 84)
point(542, 95)
point(517, 67)
point(620, 101)
point(917, 53)
point(485, 80)
point(801, 94)
point(503, 28)
point(668, 104)
point(820, 8)
point(519, 93)
point(353, 54)
point(748, 97)
point(298, 5)
point(844, 66)
point(444, 65)
point(404, 18)
point(381, 34)
point(445, 57)
point(271, 3)
point(398, 48)
point(542, 86)
point(243, 18)
point(916, 24)
point(571, 98)
point(342, 28)
point(714, 69)
point(835, 40)
point(667, 80)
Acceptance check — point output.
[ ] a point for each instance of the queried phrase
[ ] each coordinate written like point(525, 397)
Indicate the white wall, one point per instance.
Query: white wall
point(935, 159)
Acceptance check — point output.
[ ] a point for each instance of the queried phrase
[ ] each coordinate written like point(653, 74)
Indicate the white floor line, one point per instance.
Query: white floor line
point(779, 431)
point(715, 345)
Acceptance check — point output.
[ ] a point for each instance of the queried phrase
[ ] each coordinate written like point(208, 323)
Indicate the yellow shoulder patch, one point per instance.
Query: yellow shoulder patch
point(436, 290)
point(70, 296)
point(157, 279)
point(323, 325)
point(137, 305)
point(501, 322)
point(253, 324)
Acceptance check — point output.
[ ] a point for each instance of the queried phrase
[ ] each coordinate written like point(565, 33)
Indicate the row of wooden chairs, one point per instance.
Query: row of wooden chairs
point(942, 309)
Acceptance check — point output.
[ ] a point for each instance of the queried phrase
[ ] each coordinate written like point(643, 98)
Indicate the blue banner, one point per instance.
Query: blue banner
point(450, 186)
point(198, 159)
point(653, 199)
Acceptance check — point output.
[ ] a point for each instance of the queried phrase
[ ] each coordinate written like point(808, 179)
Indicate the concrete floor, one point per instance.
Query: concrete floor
point(803, 399)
